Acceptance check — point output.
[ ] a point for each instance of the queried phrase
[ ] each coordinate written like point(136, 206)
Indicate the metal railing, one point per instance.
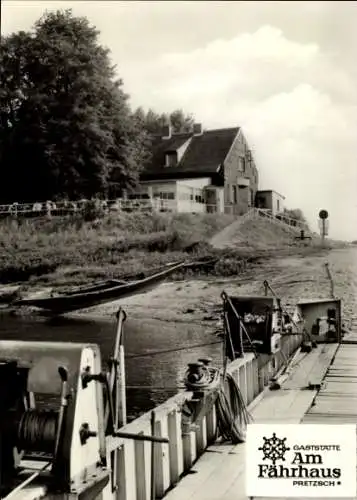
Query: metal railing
point(295, 224)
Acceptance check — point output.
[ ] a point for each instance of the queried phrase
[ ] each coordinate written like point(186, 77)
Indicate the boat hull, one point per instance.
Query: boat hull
point(97, 296)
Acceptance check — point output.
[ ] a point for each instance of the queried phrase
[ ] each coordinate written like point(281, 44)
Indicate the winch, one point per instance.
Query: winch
point(51, 419)
point(61, 420)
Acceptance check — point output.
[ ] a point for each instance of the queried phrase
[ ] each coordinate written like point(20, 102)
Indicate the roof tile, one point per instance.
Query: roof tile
point(204, 154)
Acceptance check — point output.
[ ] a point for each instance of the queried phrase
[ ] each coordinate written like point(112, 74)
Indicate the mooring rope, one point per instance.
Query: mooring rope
point(207, 378)
point(232, 413)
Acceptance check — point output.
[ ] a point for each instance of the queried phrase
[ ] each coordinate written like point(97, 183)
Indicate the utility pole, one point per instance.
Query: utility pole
point(323, 215)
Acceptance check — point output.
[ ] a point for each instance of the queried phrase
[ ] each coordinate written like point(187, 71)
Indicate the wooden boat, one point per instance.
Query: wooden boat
point(100, 293)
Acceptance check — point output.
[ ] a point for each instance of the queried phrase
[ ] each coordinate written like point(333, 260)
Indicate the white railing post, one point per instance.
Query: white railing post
point(211, 422)
point(142, 466)
point(162, 458)
point(189, 449)
point(175, 444)
point(201, 436)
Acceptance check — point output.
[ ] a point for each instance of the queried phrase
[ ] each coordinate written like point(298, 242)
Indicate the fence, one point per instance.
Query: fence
point(71, 208)
point(134, 464)
point(67, 208)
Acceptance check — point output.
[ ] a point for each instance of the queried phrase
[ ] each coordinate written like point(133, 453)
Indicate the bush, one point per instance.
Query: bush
point(93, 210)
point(229, 266)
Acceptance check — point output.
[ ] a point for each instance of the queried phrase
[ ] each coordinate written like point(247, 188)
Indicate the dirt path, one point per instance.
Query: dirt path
point(293, 278)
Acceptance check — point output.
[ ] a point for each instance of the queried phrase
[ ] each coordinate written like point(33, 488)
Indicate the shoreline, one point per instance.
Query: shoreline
point(40, 257)
point(196, 299)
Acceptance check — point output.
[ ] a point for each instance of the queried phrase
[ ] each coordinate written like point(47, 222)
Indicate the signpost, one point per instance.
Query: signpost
point(323, 224)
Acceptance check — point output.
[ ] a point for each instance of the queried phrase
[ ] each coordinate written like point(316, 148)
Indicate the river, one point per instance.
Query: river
point(151, 379)
point(176, 316)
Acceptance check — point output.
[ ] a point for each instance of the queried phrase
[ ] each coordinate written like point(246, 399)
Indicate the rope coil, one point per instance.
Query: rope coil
point(201, 380)
point(232, 413)
point(37, 431)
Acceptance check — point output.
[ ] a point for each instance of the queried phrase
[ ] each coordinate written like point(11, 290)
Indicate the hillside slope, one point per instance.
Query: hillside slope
point(254, 233)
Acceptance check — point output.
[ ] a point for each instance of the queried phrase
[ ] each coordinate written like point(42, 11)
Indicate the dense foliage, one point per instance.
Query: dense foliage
point(66, 128)
point(154, 122)
point(295, 213)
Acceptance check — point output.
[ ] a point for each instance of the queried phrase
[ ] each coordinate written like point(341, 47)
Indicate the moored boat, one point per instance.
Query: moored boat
point(100, 293)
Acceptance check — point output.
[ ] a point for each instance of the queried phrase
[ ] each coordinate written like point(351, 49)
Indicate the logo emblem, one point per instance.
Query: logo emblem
point(274, 448)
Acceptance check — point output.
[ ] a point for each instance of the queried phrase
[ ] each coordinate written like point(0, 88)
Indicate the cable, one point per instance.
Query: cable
point(164, 351)
point(37, 431)
point(232, 413)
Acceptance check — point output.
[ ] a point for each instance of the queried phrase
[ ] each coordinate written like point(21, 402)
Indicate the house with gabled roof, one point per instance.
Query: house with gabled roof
point(201, 171)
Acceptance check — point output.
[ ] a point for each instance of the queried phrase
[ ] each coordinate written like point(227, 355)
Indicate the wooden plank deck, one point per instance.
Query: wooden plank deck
point(220, 473)
point(337, 399)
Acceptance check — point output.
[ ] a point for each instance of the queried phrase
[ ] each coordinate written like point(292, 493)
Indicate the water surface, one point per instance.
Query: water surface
point(151, 378)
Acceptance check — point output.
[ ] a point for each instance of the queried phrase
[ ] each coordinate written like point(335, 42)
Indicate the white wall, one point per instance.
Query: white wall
point(187, 192)
point(277, 203)
point(195, 183)
point(182, 150)
point(272, 201)
point(220, 196)
point(168, 190)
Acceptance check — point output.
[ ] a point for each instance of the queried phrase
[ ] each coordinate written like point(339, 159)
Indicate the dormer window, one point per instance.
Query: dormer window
point(171, 159)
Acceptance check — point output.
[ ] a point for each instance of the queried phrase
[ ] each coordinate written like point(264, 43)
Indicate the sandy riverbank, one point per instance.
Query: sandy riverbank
point(294, 277)
point(257, 251)
point(198, 301)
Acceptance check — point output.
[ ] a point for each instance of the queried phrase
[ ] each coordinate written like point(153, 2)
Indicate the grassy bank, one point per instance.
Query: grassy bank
point(73, 251)
point(67, 250)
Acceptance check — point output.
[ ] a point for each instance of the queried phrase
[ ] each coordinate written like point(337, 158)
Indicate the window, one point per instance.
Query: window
point(199, 198)
point(171, 159)
point(163, 195)
point(241, 164)
point(278, 205)
point(235, 196)
point(195, 195)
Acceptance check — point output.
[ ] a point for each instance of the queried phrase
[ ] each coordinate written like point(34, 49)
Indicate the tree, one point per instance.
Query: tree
point(181, 122)
point(154, 122)
point(66, 124)
point(295, 213)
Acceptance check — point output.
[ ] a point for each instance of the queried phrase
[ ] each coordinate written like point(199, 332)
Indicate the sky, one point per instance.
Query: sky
point(283, 71)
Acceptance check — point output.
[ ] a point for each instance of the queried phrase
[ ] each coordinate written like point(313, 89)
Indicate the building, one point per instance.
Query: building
point(270, 200)
point(202, 171)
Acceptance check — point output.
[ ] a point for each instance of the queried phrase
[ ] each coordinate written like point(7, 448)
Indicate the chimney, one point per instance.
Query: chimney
point(166, 132)
point(197, 129)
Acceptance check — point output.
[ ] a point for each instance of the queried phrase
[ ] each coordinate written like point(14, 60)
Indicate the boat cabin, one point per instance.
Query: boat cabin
point(254, 324)
point(321, 319)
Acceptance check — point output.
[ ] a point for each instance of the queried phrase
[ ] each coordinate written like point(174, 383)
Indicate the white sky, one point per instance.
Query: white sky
point(284, 71)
